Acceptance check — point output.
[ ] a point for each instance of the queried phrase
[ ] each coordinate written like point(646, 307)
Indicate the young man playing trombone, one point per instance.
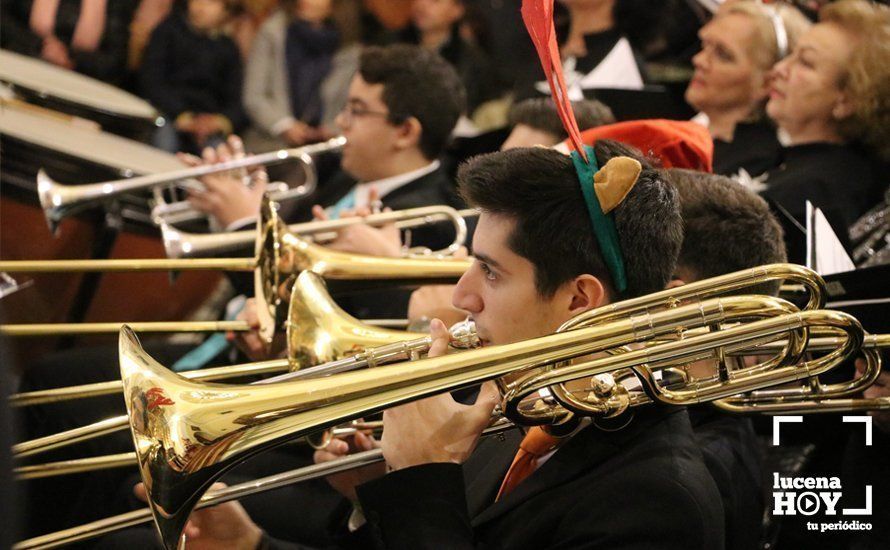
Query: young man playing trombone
point(538, 264)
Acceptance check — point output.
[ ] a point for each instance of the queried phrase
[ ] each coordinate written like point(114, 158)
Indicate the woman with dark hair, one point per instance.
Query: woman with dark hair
point(831, 97)
point(436, 25)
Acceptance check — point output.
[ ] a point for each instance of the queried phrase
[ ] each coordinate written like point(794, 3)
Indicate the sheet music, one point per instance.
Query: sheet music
point(825, 253)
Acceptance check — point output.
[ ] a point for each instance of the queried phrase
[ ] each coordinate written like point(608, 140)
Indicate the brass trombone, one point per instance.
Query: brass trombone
point(180, 244)
point(813, 396)
point(279, 257)
point(311, 344)
point(59, 201)
point(188, 434)
point(318, 331)
point(308, 343)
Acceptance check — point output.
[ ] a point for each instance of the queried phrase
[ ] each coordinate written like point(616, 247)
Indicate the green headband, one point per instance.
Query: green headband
point(603, 224)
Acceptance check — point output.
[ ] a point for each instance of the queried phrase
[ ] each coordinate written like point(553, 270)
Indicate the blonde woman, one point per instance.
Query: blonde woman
point(831, 97)
point(730, 86)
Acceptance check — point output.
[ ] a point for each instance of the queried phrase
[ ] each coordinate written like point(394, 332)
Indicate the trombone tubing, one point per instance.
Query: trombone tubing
point(70, 329)
point(117, 423)
point(128, 265)
point(219, 496)
point(40, 397)
point(73, 329)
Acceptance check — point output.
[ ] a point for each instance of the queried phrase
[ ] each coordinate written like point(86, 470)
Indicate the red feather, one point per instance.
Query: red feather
point(538, 18)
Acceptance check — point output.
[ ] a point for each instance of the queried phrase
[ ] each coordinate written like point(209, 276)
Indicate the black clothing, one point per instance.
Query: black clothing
point(732, 455)
point(470, 62)
point(108, 63)
point(185, 71)
point(754, 148)
point(9, 527)
point(644, 486)
point(309, 52)
point(838, 179)
point(598, 46)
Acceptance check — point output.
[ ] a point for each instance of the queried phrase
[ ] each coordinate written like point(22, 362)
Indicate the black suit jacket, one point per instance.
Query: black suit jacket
point(732, 455)
point(641, 487)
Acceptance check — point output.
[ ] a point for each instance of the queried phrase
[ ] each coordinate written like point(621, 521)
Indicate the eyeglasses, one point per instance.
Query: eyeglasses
point(350, 112)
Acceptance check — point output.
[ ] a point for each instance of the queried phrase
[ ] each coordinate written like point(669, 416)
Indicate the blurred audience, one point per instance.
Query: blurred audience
point(535, 121)
point(192, 74)
point(831, 98)
point(291, 57)
point(730, 85)
point(604, 44)
point(436, 26)
point(88, 36)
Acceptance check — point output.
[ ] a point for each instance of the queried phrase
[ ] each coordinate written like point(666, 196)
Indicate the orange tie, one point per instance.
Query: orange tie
point(534, 445)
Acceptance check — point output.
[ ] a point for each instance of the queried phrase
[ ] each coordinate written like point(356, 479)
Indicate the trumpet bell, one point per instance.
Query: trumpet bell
point(52, 200)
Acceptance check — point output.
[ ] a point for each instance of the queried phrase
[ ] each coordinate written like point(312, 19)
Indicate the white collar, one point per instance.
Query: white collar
point(386, 186)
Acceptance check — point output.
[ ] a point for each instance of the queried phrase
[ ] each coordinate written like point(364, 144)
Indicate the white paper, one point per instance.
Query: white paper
point(825, 253)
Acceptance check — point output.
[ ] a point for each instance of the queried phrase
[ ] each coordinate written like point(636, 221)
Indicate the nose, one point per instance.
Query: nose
point(699, 60)
point(465, 295)
point(340, 120)
point(780, 69)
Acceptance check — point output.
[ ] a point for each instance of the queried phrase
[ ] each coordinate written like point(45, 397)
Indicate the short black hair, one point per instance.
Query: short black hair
point(726, 227)
point(540, 113)
point(417, 83)
point(539, 189)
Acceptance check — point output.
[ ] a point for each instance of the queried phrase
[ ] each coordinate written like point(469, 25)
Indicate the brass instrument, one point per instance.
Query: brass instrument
point(59, 201)
point(219, 496)
point(179, 244)
point(318, 331)
point(279, 257)
point(813, 396)
point(188, 434)
point(338, 335)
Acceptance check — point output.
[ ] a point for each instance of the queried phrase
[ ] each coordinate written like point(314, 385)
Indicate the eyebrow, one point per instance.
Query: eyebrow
point(487, 259)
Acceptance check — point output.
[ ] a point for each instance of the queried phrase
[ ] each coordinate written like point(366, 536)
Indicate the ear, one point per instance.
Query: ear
point(587, 292)
point(674, 283)
point(408, 134)
point(843, 107)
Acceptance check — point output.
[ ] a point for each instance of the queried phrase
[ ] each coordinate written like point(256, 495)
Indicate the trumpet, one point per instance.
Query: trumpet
point(59, 201)
point(180, 244)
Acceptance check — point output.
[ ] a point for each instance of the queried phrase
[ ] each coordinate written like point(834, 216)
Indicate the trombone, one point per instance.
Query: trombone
point(813, 396)
point(339, 335)
point(318, 332)
point(280, 256)
point(180, 244)
point(182, 476)
point(305, 344)
point(188, 434)
point(59, 201)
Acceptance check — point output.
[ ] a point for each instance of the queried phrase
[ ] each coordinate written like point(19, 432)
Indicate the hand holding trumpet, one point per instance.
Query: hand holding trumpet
point(225, 196)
